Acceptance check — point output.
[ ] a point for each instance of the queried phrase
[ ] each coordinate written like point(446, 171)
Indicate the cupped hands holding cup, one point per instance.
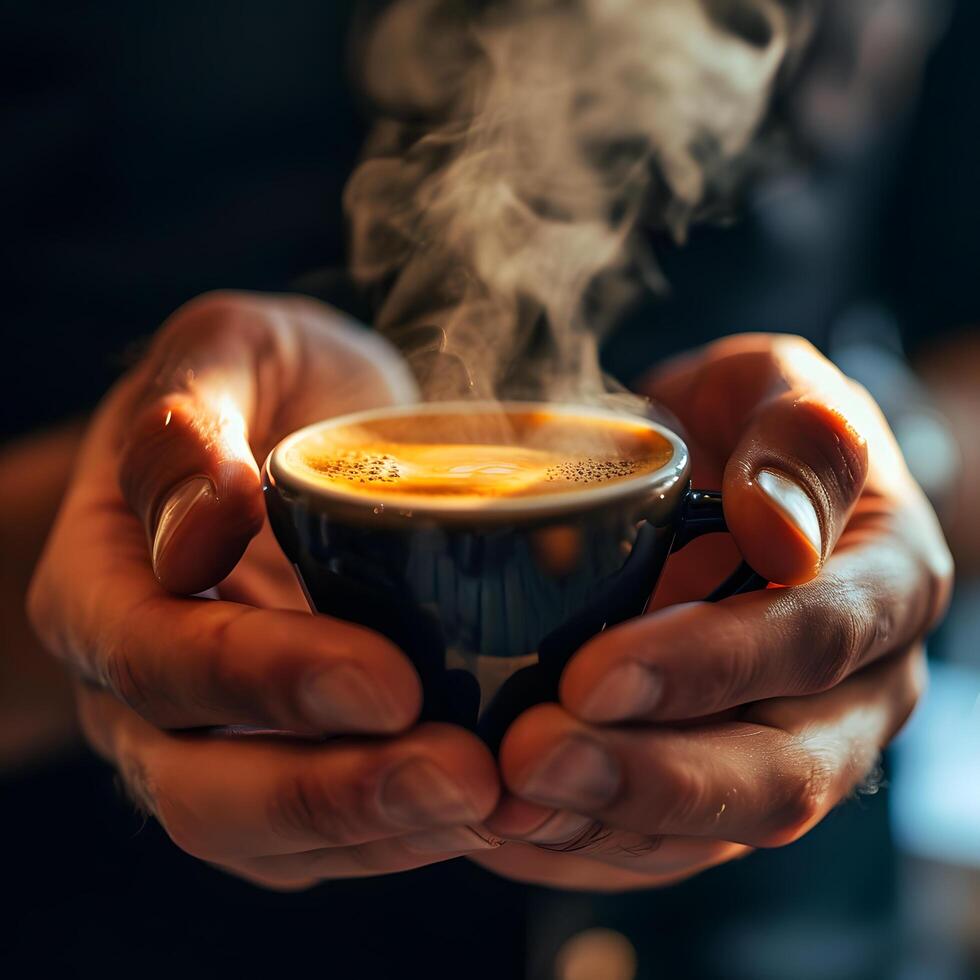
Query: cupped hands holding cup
point(676, 740)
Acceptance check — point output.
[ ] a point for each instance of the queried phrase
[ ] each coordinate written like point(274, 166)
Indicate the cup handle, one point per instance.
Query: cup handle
point(626, 594)
point(701, 513)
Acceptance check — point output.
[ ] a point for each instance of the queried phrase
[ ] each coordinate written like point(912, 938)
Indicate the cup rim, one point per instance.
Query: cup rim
point(661, 486)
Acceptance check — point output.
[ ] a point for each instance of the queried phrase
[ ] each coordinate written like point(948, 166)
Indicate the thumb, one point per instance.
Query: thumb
point(187, 469)
point(790, 486)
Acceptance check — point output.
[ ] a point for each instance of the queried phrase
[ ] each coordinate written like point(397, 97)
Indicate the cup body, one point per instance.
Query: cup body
point(472, 596)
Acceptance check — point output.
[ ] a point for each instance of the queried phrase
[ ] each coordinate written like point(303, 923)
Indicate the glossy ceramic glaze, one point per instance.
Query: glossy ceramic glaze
point(487, 601)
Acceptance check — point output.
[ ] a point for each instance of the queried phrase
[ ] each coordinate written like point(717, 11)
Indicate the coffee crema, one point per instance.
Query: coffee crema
point(472, 457)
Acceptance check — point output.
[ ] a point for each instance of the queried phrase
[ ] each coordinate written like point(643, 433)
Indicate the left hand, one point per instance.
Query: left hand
point(689, 736)
point(165, 500)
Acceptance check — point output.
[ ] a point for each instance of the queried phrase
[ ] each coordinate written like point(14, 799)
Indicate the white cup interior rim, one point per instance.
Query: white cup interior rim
point(662, 480)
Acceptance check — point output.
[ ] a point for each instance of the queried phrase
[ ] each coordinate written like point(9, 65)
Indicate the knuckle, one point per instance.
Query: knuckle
point(794, 354)
point(741, 664)
point(210, 311)
point(806, 366)
point(799, 798)
point(846, 626)
point(122, 674)
point(832, 664)
point(882, 625)
point(306, 804)
point(802, 347)
point(206, 320)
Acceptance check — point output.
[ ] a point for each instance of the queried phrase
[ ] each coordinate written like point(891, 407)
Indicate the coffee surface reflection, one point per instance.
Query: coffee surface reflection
point(463, 458)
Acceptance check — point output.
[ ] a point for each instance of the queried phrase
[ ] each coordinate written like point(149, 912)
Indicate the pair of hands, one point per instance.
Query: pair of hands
point(682, 739)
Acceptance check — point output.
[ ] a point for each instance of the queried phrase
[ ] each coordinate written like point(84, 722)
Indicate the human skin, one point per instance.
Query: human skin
point(729, 726)
point(36, 699)
point(798, 688)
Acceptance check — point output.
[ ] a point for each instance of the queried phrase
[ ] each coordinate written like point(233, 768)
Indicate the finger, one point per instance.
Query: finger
point(187, 469)
point(877, 593)
point(661, 857)
point(377, 857)
point(522, 820)
point(536, 866)
point(223, 799)
point(791, 483)
point(228, 375)
point(185, 663)
point(761, 781)
point(793, 431)
point(569, 833)
point(516, 861)
point(565, 832)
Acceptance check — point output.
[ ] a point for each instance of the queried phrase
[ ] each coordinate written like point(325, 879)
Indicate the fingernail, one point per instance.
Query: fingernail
point(578, 774)
point(795, 504)
point(342, 698)
point(560, 828)
point(418, 792)
point(177, 506)
point(452, 839)
point(630, 690)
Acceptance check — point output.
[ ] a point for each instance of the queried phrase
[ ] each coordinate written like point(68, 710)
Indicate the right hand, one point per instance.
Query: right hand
point(166, 502)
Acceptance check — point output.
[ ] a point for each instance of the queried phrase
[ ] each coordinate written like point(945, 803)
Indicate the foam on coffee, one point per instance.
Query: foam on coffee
point(470, 457)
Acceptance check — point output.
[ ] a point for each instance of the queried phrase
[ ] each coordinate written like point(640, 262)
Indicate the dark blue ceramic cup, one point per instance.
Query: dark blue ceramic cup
point(489, 601)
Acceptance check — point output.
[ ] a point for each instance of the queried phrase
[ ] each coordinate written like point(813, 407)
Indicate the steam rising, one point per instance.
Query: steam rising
point(521, 147)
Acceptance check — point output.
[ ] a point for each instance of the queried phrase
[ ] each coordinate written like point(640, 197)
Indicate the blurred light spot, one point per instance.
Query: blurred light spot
point(935, 792)
point(596, 954)
point(930, 451)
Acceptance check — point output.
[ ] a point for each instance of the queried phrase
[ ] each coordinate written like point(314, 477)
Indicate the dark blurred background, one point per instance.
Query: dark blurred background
point(152, 152)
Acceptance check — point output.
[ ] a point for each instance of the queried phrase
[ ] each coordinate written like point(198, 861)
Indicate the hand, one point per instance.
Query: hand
point(165, 501)
point(699, 731)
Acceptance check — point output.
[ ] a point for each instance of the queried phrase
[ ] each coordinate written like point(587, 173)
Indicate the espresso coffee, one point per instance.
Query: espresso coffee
point(462, 458)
